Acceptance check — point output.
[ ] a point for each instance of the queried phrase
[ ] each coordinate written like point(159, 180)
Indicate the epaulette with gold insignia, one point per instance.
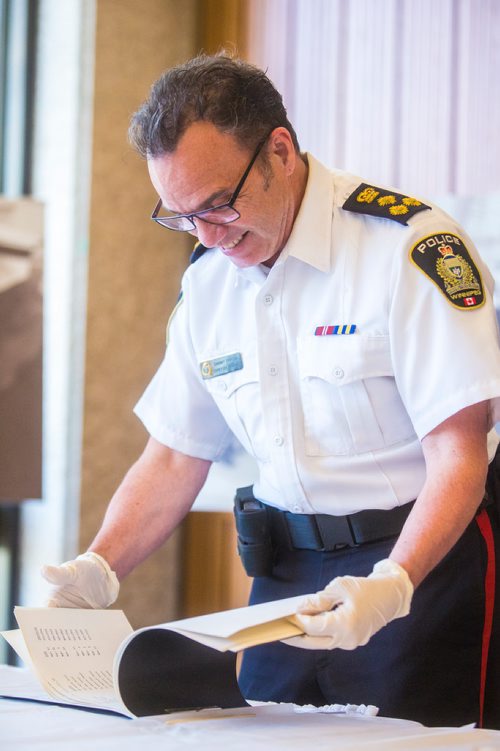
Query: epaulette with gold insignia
point(367, 199)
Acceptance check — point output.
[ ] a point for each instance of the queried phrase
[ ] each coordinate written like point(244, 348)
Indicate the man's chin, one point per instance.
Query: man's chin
point(241, 255)
point(243, 258)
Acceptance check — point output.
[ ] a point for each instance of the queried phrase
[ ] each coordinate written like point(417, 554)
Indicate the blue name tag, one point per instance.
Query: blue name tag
point(221, 365)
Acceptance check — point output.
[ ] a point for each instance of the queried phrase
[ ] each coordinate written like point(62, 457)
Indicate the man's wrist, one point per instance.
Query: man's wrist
point(392, 569)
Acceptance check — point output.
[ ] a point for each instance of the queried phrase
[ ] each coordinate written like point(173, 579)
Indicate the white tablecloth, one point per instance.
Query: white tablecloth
point(33, 726)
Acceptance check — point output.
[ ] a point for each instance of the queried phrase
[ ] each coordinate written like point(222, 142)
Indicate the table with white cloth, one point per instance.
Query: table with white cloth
point(37, 726)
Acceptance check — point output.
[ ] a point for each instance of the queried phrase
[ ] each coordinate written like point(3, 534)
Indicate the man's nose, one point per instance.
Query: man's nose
point(208, 234)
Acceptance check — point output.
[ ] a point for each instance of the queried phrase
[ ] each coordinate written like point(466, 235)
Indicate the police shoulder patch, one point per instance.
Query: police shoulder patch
point(447, 262)
point(367, 199)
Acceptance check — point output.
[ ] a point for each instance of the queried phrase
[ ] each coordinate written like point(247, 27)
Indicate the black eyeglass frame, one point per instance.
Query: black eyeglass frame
point(199, 214)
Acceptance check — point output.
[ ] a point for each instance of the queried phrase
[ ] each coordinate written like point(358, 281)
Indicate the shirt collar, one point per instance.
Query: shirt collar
point(310, 238)
point(311, 235)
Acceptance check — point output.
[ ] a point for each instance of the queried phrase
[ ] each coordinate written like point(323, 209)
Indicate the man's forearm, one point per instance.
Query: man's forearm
point(152, 500)
point(457, 463)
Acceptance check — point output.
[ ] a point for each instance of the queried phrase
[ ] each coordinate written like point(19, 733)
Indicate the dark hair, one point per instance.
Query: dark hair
point(238, 98)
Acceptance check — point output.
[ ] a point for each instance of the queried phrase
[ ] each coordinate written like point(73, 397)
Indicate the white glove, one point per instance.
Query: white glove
point(86, 582)
point(351, 609)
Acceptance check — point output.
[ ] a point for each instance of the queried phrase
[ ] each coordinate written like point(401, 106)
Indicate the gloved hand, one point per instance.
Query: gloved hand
point(86, 582)
point(351, 609)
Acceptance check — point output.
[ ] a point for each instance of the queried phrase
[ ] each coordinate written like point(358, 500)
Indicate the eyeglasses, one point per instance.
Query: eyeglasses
point(224, 213)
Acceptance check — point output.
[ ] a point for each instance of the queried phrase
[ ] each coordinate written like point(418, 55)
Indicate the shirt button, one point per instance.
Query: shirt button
point(338, 373)
point(273, 370)
point(268, 300)
point(279, 440)
point(222, 386)
point(296, 509)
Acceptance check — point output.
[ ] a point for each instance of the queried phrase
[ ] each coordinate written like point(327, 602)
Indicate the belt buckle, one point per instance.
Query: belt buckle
point(335, 531)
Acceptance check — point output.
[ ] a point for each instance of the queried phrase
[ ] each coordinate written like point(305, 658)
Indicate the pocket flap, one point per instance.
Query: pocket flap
point(344, 359)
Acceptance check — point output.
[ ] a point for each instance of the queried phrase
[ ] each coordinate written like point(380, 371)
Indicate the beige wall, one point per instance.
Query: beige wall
point(134, 274)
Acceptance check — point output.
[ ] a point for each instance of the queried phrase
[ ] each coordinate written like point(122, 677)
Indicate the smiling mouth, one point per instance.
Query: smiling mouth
point(231, 245)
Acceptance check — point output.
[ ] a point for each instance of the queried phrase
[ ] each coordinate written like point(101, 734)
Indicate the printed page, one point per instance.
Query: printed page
point(242, 627)
point(72, 651)
point(262, 633)
point(16, 641)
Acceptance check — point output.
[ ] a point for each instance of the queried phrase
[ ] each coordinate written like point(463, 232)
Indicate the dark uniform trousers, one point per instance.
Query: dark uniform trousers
point(440, 665)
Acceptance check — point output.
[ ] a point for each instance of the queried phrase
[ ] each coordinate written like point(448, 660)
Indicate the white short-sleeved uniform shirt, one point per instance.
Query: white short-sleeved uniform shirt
point(334, 420)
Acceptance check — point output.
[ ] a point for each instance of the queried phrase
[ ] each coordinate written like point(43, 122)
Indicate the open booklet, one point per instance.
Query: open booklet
point(94, 659)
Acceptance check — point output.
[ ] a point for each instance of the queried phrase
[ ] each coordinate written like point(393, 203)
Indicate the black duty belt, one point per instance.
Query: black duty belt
point(327, 532)
point(262, 529)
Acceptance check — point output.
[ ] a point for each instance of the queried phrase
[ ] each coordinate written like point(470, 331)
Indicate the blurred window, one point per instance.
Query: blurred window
point(18, 20)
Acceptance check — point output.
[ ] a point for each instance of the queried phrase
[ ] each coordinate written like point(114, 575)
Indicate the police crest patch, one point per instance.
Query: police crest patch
point(447, 262)
point(367, 199)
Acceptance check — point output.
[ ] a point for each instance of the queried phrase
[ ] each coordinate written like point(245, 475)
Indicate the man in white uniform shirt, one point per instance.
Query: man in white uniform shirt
point(345, 334)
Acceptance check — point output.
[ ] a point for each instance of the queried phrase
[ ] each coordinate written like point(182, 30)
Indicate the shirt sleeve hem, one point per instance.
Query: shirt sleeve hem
point(465, 398)
point(182, 443)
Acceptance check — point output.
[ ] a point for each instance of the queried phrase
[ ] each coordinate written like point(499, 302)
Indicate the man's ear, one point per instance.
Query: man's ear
point(281, 145)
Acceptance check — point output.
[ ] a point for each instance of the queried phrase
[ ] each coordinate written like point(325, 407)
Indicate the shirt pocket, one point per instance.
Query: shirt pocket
point(237, 395)
point(350, 401)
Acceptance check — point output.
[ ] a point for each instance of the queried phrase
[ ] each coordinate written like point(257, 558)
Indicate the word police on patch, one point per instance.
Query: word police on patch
point(368, 199)
point(447, 262)
point(221, 365)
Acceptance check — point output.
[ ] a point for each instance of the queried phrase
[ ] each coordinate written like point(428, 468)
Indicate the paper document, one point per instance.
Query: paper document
point(71, 652)
point(93, 658)
point(242, 628)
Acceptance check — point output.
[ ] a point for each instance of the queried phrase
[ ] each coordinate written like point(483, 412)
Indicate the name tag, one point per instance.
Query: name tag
point(221, 365)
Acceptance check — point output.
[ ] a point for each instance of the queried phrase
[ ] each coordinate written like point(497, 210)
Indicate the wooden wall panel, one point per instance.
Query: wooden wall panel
point(134, 272)
point(214, 578)
point(221, 24)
